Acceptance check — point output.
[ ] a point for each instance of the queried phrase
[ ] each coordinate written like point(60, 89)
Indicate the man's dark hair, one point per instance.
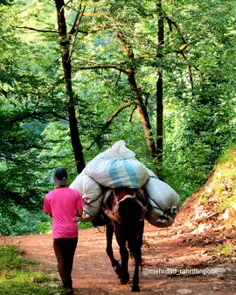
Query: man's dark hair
point(60, 176)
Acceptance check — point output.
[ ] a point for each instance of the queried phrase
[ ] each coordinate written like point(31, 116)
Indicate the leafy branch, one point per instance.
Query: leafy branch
point(35, 115)
point(181, 49)
point(34, 29)
point(109, 66)
point(108, 123)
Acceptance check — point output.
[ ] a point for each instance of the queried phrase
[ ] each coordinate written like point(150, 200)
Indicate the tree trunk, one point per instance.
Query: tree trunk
point(66, 63)
point(143, 114)
point(141, 107)
point(159, 86)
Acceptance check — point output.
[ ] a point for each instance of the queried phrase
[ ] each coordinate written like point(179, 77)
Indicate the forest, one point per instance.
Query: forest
point(77, 76)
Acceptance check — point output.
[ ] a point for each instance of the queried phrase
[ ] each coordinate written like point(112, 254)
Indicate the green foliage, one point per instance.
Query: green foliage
point(19, 221)
point(44, 223)
point(85, 225)
point(18, 277)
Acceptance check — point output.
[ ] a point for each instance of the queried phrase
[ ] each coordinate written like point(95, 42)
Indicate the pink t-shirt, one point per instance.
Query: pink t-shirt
point(62, 204)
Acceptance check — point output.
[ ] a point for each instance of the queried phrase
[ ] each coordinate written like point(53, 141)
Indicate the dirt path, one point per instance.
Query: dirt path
point(174, 263)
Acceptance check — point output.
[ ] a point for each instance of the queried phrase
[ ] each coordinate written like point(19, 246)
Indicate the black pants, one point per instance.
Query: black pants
point(64, 250)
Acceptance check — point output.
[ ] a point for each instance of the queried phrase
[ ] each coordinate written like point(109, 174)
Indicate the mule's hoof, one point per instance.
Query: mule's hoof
point(135, 288)
point(124, 280)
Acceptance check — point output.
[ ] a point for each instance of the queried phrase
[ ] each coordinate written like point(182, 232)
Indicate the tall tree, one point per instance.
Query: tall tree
point(138, 97)
point(159, 85)
point(66, 55)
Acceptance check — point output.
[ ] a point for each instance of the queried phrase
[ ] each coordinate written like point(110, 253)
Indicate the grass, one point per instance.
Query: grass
point(225, 250)
point(85, 225)
point(222, 188)
point(18, 277)
point(225, 179)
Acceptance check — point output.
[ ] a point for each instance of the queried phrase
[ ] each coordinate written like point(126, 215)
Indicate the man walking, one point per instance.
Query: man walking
point(63, 205)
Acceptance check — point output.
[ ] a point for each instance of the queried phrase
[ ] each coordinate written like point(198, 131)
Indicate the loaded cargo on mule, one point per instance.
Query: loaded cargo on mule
point(117, 167)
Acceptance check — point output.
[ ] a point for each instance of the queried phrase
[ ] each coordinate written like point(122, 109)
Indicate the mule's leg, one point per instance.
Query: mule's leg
point(135, 244)
point(124, 264)
point(137, 258)
point(121, 240)
point(115, 263)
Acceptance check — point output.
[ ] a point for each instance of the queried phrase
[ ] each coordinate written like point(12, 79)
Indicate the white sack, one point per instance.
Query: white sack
point(156, 218)
point(91, 210)
point(91, 193)
point(152, 174)
point(163, 203)
point(114, 173)
point(117, 167)
point(120, 151)
point(89, 189)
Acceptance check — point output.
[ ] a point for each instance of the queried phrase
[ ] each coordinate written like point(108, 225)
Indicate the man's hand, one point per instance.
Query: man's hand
point(79, 212)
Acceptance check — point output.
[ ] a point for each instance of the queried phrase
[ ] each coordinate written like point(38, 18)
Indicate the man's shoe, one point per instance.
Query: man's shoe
point(69, 291)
